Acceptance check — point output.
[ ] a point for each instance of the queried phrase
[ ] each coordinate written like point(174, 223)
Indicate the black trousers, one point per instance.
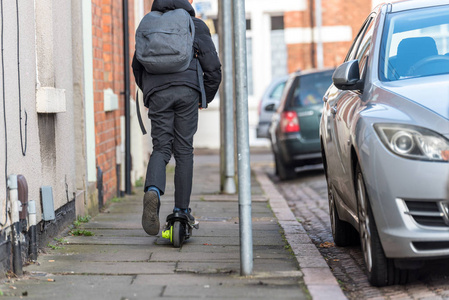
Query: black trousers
point(174, 121)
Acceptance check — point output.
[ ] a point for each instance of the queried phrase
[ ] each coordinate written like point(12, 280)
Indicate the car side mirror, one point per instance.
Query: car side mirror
point(347, 76)
point(270, 107)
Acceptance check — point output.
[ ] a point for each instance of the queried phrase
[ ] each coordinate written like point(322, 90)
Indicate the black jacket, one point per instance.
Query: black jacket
point(203, 46)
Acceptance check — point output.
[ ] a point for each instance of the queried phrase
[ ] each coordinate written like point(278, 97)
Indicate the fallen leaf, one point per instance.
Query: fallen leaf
point(327, 245)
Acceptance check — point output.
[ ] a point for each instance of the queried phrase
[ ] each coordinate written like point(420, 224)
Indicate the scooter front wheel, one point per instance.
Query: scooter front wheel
point(178, 234)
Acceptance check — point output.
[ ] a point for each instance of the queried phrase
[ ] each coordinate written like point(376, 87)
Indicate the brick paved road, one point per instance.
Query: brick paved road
point(307, 197)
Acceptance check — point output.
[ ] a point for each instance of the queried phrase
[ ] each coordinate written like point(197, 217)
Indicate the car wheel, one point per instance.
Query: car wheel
point(381, 270)
point(342, 232)
point(284, 171)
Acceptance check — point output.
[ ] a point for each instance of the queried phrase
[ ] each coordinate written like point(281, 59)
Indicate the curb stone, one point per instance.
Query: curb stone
point(318, 278)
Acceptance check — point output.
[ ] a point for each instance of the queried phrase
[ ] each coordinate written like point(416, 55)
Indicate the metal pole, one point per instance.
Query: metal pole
point(222, 99)
point(227, 97)
point(319, 24)
point(244, 169)
point(127, 94)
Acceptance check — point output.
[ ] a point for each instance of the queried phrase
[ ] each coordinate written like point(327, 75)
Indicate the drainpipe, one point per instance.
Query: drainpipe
point(127, 94)
point(312, 26)
point(15, 224)
point(22, 190)
point(32, 230)
point(100, 188)
point(319, 38)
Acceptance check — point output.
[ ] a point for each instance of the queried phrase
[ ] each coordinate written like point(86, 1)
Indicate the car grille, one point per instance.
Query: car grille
point(429, 213)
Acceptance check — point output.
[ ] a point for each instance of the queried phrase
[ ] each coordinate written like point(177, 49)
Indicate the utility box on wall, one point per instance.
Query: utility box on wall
point(48, 206)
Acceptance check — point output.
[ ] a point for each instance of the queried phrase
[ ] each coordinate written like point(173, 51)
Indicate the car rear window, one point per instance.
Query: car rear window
point(309, 89)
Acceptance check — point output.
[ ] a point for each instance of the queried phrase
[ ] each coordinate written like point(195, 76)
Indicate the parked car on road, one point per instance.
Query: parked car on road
point(385, 140)
point(268, 104)
point(294, 129)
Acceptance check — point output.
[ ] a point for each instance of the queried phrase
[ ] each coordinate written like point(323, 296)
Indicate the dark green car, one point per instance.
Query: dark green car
point(294, 129)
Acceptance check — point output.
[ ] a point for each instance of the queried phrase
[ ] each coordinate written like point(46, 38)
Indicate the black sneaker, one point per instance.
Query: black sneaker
point(187, 213)
point(150, 215)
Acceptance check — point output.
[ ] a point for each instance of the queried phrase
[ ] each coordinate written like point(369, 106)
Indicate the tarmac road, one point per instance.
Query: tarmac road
point(307, 197)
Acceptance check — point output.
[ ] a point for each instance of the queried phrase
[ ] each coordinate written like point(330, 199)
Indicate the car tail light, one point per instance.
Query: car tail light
point(289, 122)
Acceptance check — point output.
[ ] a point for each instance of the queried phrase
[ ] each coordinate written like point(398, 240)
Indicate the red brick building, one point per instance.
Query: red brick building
point(341, 21)
point(109, 85)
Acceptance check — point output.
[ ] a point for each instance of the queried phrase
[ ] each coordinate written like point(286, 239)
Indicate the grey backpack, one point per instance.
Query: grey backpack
point(164, 41)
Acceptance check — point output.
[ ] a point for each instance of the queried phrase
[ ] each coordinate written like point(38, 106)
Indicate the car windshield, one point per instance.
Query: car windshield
point(309, 89)
point(415, 43)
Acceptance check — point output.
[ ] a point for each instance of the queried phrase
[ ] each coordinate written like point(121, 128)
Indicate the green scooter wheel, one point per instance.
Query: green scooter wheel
point(168, 234)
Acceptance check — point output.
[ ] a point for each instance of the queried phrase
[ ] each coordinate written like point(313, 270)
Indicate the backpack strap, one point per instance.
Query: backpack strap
point(142, 127)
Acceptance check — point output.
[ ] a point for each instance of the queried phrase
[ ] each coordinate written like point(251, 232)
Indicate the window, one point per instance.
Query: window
point(277, 91)
point(365, 47)
point(415, 43)
point(355, 45)
point(277, 22)
point(309, 89)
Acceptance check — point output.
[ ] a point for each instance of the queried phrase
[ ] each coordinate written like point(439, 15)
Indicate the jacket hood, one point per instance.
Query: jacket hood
point(166, 5)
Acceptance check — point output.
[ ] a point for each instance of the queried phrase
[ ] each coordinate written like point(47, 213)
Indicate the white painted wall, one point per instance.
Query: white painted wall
point(45, 61)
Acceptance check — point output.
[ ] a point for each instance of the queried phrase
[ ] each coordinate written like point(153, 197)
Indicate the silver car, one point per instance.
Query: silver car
point(385, 140)
point(268, 105)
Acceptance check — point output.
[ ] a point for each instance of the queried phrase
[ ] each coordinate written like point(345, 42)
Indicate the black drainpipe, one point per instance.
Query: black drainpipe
point(100, 188)
point(127, 94)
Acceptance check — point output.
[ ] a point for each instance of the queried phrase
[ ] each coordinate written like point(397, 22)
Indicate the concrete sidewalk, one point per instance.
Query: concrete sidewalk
point(121, 262)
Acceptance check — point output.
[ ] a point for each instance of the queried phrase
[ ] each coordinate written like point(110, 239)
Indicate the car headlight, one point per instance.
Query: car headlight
point(413, 142)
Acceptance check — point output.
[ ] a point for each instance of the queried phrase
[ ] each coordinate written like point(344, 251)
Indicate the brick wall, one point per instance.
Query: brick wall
point(334, 13)
point(107, 40)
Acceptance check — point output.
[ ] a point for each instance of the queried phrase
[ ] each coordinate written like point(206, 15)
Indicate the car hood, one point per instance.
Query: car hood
point(430, 92)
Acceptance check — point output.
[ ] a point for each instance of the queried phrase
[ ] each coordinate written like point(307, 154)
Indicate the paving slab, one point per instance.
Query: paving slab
point(111, 240)
point(100, 253)
point(121, 262)
point(252, 292)
point(71, 266)
point(73, 287)
point(213, 280)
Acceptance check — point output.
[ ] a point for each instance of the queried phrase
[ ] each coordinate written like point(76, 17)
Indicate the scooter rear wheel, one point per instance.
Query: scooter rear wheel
point(178, 234)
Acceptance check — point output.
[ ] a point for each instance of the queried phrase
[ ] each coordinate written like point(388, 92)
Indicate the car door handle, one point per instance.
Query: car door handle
point(334, 110)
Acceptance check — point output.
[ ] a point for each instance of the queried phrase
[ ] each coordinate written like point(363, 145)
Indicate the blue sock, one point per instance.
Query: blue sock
point(180, 209)
point(153, 188)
